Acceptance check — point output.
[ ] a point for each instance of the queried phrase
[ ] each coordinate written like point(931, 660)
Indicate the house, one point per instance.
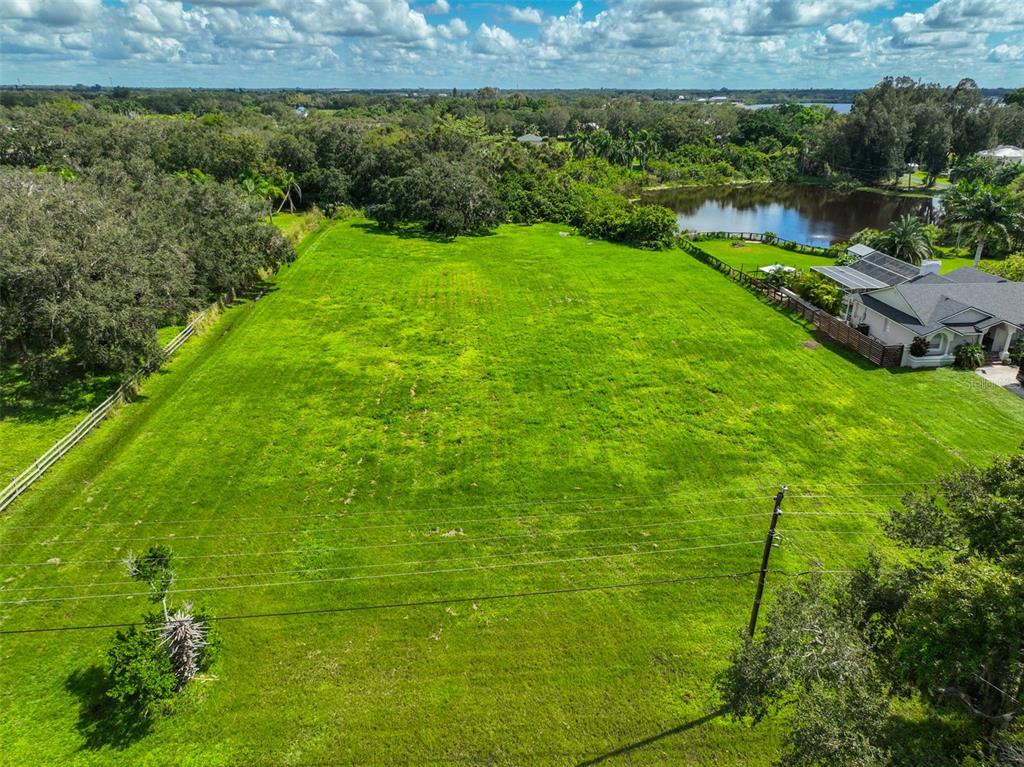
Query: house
point(964, 306)
point(301, 111)
point(871, 270)
point(531, 138)
point(1004, 154)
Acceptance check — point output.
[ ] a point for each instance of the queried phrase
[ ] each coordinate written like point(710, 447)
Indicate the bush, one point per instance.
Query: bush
point(140, 672)
point(770, 238)
point(919, 347)
point(969, 356)
point(1017, 352)
point(814, 288)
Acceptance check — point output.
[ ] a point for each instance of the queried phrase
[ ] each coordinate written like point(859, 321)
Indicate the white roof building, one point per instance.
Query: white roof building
point(1004, 154)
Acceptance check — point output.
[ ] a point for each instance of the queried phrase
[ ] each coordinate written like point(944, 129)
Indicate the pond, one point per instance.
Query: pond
point(808, 214)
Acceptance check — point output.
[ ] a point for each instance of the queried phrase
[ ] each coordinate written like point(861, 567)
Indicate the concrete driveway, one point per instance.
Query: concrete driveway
point(1002, 375)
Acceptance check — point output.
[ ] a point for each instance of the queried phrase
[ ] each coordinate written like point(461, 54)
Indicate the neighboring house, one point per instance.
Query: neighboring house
point(531, 138)
point(1004, 154)
point(964, 306)
point(872, 270)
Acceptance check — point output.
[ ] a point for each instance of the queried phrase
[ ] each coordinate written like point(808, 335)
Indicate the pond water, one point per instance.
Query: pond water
point(807, 214)
point(840, 108)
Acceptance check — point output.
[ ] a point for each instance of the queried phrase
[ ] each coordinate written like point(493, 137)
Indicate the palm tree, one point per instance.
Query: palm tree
point(582, 145)
point(262, 187)
point(986, 214)
point(642, 145)
point(907, 240)
point(288, 186)
point(602, 143)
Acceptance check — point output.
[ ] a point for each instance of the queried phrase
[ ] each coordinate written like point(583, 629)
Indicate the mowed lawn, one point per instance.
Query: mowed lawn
point(753, 255)
point(404, 420)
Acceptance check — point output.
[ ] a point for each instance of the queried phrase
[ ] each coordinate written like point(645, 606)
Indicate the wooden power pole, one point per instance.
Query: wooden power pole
point(768, 542)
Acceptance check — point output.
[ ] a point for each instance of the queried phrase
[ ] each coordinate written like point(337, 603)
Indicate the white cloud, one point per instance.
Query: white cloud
point(494, 41)
point(1003, 53)
point(57, 13)
point(640, 43)
point(454, 28)
point(525, 15)
point(436, 8)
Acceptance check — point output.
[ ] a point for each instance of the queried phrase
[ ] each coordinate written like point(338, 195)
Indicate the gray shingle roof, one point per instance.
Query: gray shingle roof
point(970, 274)
point(935, 304)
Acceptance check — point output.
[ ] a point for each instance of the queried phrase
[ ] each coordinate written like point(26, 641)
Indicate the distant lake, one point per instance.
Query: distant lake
point(808, 214)
point(840, 108)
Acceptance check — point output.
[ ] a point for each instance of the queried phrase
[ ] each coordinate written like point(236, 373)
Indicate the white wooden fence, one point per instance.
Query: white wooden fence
point(60, 448)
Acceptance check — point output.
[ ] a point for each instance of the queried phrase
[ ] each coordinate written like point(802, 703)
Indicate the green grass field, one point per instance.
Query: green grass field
point(753, 255)
point(405, 420)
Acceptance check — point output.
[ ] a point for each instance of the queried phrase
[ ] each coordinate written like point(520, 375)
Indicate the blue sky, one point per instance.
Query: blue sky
point(538, 44)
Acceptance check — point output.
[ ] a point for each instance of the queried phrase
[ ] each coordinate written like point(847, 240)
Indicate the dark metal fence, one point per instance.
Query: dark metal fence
point(796, 247)
point(833, 327)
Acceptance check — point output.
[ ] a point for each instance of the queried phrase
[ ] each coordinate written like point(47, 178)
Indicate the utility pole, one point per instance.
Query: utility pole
point(768, 542)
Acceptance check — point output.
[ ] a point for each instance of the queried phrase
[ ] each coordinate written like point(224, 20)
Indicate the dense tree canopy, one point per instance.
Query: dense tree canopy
point(92, 266)
point(942, 620)
point(149, 203)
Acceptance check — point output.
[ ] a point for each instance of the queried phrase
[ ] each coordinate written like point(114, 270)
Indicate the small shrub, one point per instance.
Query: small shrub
point(770, 238)
point(919, 347)
point(969, 356)
point(141, 673)
point(1017, 352)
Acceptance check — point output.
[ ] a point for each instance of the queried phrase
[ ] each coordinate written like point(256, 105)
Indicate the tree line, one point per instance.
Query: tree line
point(91, 266)
point(125, 209)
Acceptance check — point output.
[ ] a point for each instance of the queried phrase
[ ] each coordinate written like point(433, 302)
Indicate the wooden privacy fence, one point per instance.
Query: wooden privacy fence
point(122, 394)
point(796, 247)
point(833, 327)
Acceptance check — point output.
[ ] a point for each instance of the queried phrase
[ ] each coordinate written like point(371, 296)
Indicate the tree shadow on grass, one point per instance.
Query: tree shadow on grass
point(935, 741)
point(629, 748)
point(19, 401)
point(415, 232)
point(102, 723)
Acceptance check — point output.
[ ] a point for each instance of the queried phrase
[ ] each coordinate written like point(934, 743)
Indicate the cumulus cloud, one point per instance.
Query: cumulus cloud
point(494, 41)
point(57, 13)
point(644, 43)
point(1004, 53)
point(437, 8)
point(525, 15)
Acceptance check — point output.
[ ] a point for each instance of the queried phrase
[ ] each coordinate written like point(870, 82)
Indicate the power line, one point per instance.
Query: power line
point(240, 586)
point(854, 495)
point(389, 526)
point(463, 540)
point(407, 510)
point(431, 602)
point(632, 542)
point(837, 513)
point(812, 483)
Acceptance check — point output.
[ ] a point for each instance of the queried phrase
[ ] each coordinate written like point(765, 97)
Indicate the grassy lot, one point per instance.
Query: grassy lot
point(405, 420)
point(753, 255)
